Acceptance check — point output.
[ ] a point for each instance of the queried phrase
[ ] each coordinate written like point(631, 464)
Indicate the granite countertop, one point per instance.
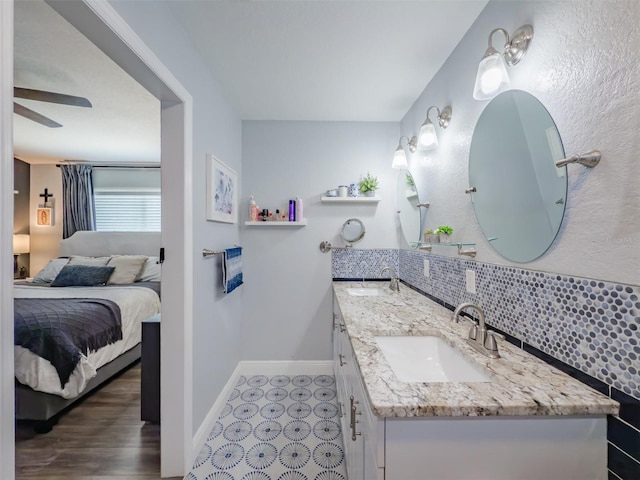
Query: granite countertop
point(522, 384)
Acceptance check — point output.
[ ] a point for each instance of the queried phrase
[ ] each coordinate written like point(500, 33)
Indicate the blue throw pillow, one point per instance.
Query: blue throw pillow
point(82, 276)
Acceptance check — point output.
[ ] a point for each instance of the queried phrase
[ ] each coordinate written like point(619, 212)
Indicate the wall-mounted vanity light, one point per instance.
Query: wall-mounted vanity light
point(427, 138)
point(492, 77)
point(400, 157)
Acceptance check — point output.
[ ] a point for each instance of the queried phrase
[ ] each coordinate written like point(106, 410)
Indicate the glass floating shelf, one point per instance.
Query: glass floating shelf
point(453, 244)
point(326, 199)
point(301, 223)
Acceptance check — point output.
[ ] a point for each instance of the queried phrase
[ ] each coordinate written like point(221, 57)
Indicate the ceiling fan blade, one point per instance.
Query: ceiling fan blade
point(51, 97)
point(35, 116)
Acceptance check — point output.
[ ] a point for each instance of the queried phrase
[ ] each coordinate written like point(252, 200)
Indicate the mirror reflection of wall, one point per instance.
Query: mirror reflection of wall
point(520, 194)
point(408, 210)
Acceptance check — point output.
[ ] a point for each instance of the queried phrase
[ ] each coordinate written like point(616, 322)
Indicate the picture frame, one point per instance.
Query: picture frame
point(222, 191)
point(44, 216)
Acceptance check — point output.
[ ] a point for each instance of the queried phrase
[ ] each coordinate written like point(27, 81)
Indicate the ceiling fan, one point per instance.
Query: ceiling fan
point(43, 96)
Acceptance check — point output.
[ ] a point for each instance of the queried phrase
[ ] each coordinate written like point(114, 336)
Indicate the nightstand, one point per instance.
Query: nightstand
point(150, 374)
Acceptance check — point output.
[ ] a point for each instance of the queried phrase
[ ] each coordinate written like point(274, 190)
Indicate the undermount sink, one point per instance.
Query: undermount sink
point(427, 359)
point(367, 292)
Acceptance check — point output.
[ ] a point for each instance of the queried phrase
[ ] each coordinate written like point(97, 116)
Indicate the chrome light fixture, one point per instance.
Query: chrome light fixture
point(427, 138)
point(492, 77)
point(400, 157)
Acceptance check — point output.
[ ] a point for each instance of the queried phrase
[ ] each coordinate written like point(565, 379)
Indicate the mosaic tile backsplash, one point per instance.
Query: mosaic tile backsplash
point(358, 264)
point(591, 325)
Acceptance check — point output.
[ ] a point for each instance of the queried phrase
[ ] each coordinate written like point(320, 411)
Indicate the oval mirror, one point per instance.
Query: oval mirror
point(408, 210)
point(352, 231)
point(520, 194)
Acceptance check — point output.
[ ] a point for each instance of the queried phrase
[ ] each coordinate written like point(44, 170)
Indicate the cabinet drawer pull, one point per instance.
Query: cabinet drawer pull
point(343, 328)
point(335, 317)
point(342, 362)
point(353, 421)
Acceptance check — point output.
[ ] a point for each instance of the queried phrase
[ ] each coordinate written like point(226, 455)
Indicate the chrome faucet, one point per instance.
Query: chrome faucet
point(480, 338)
point(395, 282)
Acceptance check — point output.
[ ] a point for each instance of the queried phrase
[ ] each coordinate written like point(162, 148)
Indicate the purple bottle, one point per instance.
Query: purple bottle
point(292, 210)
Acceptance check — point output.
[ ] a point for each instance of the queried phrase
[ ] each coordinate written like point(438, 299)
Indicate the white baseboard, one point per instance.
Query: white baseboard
point(214, 412)
point(320, 367)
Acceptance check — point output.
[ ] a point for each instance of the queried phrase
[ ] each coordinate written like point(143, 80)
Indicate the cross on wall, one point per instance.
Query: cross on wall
point(46, 195)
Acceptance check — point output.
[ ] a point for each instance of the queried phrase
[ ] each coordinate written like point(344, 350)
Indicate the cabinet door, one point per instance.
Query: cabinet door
point(339, 365)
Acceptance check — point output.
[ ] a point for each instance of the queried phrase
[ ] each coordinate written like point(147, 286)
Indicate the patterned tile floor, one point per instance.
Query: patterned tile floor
point(275, 428)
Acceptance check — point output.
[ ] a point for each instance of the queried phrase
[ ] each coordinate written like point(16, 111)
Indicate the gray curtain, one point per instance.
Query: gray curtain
point(79, 211)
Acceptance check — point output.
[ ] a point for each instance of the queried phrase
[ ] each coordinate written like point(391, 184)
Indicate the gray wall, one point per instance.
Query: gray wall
point(582, 64)
point(217, 130)
point(21, 175)
point(288, 301)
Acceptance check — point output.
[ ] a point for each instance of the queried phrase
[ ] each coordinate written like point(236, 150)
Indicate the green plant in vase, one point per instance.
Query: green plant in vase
point(444, 231)
point(368, 185)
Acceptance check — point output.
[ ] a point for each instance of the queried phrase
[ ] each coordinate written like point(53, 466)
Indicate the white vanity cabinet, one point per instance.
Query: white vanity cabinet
point(422, 446)
point(362, 431)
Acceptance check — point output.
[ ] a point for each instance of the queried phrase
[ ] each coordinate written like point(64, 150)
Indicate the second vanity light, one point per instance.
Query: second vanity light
point(400, 157)
point(427, 138)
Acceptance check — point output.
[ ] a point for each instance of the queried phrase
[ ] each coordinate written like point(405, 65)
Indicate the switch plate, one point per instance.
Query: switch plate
point(426, 268)
point(471, 281)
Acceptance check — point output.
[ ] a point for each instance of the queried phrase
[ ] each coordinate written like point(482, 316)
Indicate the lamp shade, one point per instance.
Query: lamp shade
point(492, 77)
point(21, 244)
point(399, 159)
point(427, 138)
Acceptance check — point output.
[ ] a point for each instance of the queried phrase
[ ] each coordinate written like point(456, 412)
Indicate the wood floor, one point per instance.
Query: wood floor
point(100, 439)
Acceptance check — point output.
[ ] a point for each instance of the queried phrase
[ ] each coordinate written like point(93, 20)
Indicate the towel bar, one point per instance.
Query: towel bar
point(208, 253)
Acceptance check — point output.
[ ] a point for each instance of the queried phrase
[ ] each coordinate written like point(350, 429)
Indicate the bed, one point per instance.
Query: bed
point(112, 314)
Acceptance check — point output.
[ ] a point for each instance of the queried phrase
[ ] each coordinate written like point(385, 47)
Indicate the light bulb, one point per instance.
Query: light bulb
point(492, 77)
point(428, 137)
point(399, 159)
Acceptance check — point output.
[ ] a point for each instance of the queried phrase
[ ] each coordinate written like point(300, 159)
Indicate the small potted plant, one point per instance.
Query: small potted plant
point(368, 185)
point(444, 232)
point(429, 236)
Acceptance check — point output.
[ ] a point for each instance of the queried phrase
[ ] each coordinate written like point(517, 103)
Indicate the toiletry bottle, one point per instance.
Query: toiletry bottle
point(299, 214)
point(292, 210)
point(253, 210)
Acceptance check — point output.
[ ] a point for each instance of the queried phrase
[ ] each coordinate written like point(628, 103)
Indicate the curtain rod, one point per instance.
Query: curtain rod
point(111, 165)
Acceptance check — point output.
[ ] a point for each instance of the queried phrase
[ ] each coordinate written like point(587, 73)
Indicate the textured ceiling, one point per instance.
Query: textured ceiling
point(325, 60)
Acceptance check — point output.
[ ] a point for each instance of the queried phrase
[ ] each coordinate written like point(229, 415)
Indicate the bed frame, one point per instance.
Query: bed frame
point(44, 408)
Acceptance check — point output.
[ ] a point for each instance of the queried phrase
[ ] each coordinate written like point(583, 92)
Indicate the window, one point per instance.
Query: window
point(127, 199)
point(127, 211)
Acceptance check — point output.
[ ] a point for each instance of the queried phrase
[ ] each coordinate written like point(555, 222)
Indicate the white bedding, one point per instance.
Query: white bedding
point(136, 304)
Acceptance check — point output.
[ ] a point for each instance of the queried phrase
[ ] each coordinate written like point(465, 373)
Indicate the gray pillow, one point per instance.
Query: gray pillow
point(50, 271)
point(82, 276)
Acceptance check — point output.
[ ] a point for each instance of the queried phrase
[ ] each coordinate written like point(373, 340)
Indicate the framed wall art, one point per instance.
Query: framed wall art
point(222, 192)
point(44, 216)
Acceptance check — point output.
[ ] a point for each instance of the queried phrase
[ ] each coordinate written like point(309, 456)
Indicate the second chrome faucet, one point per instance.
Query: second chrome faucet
point(480, 338)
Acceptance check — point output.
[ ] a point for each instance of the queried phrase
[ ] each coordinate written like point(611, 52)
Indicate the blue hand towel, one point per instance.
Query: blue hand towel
point(232, 269)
